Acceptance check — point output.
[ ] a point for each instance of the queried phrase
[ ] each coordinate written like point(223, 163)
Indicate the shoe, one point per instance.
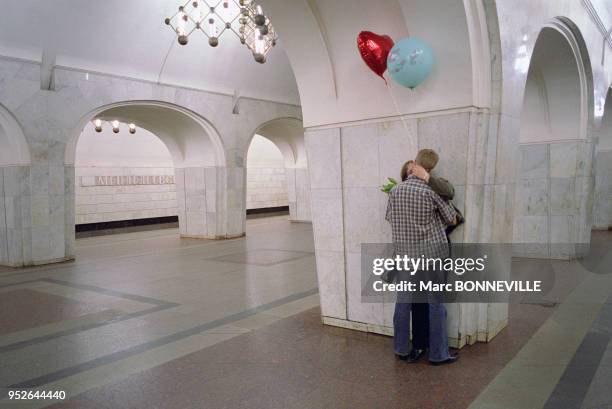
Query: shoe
point(415, 355)
point(450, 360)
point(402, 357)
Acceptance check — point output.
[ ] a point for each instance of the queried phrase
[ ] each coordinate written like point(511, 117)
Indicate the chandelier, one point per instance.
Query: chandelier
point(97, 123)
point(213, 18)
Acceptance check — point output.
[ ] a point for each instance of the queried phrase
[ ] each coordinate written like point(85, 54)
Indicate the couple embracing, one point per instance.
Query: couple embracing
point(422, 215)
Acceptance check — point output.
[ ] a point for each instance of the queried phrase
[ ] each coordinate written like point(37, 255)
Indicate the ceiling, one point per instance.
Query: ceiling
point(129, 38)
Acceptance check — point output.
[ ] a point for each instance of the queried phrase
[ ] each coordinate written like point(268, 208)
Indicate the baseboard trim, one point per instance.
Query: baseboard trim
point(118, 224)
point(358, 326)
point(263, 210)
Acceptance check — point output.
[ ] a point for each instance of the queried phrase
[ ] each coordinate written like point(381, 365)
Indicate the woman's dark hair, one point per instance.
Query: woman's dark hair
point(405, 172)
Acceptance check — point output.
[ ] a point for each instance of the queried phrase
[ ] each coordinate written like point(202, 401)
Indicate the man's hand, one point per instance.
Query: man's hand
point(420, 172)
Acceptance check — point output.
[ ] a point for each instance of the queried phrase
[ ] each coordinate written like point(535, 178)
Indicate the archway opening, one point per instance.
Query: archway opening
point(266, 178)
point(277, 170)
point(123, 180)
point(551, 209)
point(602, 206)
point(553, 93)
point(170, 169)
point(14, 172)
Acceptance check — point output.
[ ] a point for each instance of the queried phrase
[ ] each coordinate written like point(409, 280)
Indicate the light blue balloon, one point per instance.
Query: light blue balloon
point(410, 62)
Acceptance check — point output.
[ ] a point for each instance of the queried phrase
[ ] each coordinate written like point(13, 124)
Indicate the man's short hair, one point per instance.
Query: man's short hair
point(427, 158)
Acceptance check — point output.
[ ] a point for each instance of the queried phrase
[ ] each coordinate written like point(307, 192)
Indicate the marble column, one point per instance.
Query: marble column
point(348, 208)
point(15, 220)
point(236, 201)
point(602, 207)
point(298, 192)
point(323, 148)
point(201, 202)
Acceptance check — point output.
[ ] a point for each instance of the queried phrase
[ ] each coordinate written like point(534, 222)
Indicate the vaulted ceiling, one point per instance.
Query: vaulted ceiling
point(129, 38)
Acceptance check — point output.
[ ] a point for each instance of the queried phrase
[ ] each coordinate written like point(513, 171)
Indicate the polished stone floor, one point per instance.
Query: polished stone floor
point(147, 320)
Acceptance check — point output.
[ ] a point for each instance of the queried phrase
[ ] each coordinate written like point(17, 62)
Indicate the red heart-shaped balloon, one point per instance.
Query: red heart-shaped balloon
point(374, 50)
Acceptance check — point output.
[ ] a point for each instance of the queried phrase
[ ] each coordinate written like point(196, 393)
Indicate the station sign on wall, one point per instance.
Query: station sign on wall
point(127, 180)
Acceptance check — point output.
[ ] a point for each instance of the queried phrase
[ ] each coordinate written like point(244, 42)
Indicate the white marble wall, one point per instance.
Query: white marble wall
point(272, 183)
point(348, 208)
point(554, 199)
point(96, 203)
point(266, 187)
point(123, 176)
point(51, 120)
point(266, 178)
point(602, 208)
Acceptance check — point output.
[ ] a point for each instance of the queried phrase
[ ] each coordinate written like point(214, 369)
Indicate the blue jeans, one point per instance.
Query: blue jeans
point(405, 314)
point(438, 337)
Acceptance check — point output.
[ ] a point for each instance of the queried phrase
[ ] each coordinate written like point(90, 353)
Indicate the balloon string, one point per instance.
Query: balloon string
point(397, 110)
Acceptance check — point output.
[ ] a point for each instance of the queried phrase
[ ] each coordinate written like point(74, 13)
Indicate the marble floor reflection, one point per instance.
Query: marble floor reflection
point(148, 320)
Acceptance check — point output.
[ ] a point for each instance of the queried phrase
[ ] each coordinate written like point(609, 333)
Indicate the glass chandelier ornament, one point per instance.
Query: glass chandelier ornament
point(213, 18)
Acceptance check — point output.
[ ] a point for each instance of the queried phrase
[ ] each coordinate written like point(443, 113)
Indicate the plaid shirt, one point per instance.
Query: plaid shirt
point(418, 218)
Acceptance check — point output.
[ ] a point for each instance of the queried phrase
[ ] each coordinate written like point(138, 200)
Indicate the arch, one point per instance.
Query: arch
point(573, 36)
point(197, 153)
point(480, 50)
point(336, 87)
point(287, 134)
point(552, 206)
point(554, 88)
point(191, 139)
point(14, 147)
point(602, 198)
point(604, 139)
point(315, 81)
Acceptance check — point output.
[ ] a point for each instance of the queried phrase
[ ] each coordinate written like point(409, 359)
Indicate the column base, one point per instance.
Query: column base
point(226, 237)
point(453, 342)
point(479, 336)
point(39, 262)
point(358, 326)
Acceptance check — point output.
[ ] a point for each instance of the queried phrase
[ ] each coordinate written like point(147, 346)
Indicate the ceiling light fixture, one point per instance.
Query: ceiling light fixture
point(115, 125)
point(98, 123)
point(213, 18)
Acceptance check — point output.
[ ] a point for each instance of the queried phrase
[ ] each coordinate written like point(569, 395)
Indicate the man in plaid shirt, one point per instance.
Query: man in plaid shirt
point(418, 218)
